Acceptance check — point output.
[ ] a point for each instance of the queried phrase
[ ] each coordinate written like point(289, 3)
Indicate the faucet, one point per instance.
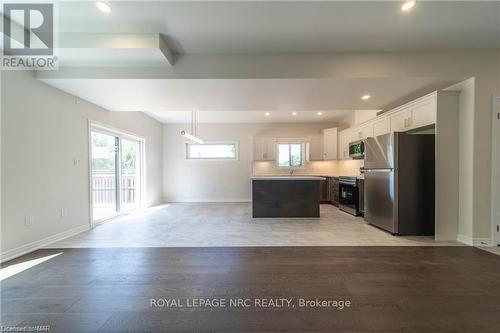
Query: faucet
point(291, 172)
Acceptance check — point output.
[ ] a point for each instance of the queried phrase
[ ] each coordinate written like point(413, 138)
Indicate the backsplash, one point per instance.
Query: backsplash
point(323, 168)
point(319, 168)
point(349, 167)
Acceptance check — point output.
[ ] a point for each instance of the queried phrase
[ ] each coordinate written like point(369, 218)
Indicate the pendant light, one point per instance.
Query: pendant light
point(192, 136)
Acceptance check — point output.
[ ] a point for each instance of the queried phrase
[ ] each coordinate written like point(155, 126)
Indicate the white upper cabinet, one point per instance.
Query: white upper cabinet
point(419, 113)
point(364, 131)
point(399, 121)
point(423, 112)
point(380, 126)
point(330, 143)
point(314, 151)
point(264, 148)
point(345, 137)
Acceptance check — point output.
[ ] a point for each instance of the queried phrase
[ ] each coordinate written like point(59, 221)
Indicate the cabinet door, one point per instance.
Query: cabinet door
point(330, 144)
point(258, 146)
point(315, 148)
point(325, 190)
point(264, 149)
point(399, 121)
point(380, 127)
point(423, 113)
point(269, 149)
point(365, 131)
point(344, 139)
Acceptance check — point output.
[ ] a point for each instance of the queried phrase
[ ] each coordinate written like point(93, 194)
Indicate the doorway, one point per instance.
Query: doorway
point(116, 167)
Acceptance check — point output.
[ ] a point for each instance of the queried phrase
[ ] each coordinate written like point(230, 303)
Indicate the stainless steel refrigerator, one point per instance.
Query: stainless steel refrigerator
point(399, 183)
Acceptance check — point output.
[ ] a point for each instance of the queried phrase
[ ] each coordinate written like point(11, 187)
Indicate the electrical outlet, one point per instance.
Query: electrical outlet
point(29, 220)
point(63, 212)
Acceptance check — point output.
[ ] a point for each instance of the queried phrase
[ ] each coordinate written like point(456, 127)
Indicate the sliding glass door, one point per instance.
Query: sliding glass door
point(130, 175)
point(116, 163)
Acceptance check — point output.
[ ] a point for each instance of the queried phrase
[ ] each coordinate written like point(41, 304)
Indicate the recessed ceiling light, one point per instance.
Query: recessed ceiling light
point(319, 113)
point(408, 5)
point(294, 113)
point(268, 114)
point(103, 7)
point(365, 97)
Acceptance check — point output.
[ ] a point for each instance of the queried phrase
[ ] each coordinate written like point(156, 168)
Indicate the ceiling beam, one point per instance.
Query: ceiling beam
point(112, 50)
point(453, 65)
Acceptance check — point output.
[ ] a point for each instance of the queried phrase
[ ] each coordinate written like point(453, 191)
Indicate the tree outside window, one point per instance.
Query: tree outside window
point(289, 155)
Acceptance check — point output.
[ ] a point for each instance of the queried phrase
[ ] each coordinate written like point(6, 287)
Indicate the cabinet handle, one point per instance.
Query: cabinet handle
point(406, 122)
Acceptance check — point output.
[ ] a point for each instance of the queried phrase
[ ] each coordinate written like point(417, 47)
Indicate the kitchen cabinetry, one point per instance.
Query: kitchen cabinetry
point(419, 113)
point(314, 148)
point(264, 148)
point(364, 131)
point(345, 137)
point(380, 126)
point(399, 121)
point(416, 114)
point(334, 191)
point(325, 190)
point(423, 113)
point(330, 143)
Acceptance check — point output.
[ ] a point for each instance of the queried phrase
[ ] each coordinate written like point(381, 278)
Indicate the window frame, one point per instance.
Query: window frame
point(302, 154)
point(235, 143)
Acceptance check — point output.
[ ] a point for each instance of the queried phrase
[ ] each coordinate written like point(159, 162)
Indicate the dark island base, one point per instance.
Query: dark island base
point(285, 198)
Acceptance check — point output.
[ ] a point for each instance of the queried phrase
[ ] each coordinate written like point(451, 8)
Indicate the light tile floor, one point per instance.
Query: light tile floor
point(231, 224)
point(493, 249)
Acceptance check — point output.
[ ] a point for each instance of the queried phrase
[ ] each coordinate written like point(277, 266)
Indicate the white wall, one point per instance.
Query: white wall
point(43, 131)
point(188, 180)
point(466, 163)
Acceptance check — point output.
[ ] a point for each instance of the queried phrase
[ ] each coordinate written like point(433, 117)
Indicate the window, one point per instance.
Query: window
point(214, 151)
point(289, 155)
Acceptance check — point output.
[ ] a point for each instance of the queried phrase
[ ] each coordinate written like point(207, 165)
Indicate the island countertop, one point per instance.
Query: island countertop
point(288, 178)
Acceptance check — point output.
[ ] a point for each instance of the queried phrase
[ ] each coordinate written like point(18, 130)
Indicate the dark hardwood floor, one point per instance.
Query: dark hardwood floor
point(392, 289)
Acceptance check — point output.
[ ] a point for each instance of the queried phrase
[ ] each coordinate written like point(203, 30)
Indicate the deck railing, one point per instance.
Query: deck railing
point(104, 189)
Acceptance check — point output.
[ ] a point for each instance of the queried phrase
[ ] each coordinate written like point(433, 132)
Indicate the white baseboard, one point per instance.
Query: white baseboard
point(178, 200)
point(482, 242)
point(21, 250)
point(467, 240)
point(474, 241)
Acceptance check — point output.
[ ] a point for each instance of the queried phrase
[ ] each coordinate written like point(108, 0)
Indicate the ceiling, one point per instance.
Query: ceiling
point(171, 99)
point(296, 26)
point(149, 33)
point(176, 117)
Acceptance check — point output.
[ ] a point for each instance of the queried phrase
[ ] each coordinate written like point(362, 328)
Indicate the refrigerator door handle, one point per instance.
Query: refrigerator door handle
point(377, 170)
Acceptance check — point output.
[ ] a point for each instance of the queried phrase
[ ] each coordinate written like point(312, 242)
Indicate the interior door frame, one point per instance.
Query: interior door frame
point(121, 134)
point(495, 168)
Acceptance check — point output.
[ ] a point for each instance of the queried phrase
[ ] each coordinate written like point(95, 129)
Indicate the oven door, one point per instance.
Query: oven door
point(348, 198)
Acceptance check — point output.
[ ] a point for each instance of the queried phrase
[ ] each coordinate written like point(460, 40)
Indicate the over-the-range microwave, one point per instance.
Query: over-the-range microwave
point(357, 150)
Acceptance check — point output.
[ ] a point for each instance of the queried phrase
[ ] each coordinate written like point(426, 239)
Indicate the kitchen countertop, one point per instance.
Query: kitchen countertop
point(288, 178)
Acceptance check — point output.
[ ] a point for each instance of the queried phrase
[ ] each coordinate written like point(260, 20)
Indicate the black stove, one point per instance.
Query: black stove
point(348, 195)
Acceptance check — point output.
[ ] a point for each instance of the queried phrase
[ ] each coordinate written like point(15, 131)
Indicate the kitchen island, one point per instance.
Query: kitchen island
point(286, 196)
